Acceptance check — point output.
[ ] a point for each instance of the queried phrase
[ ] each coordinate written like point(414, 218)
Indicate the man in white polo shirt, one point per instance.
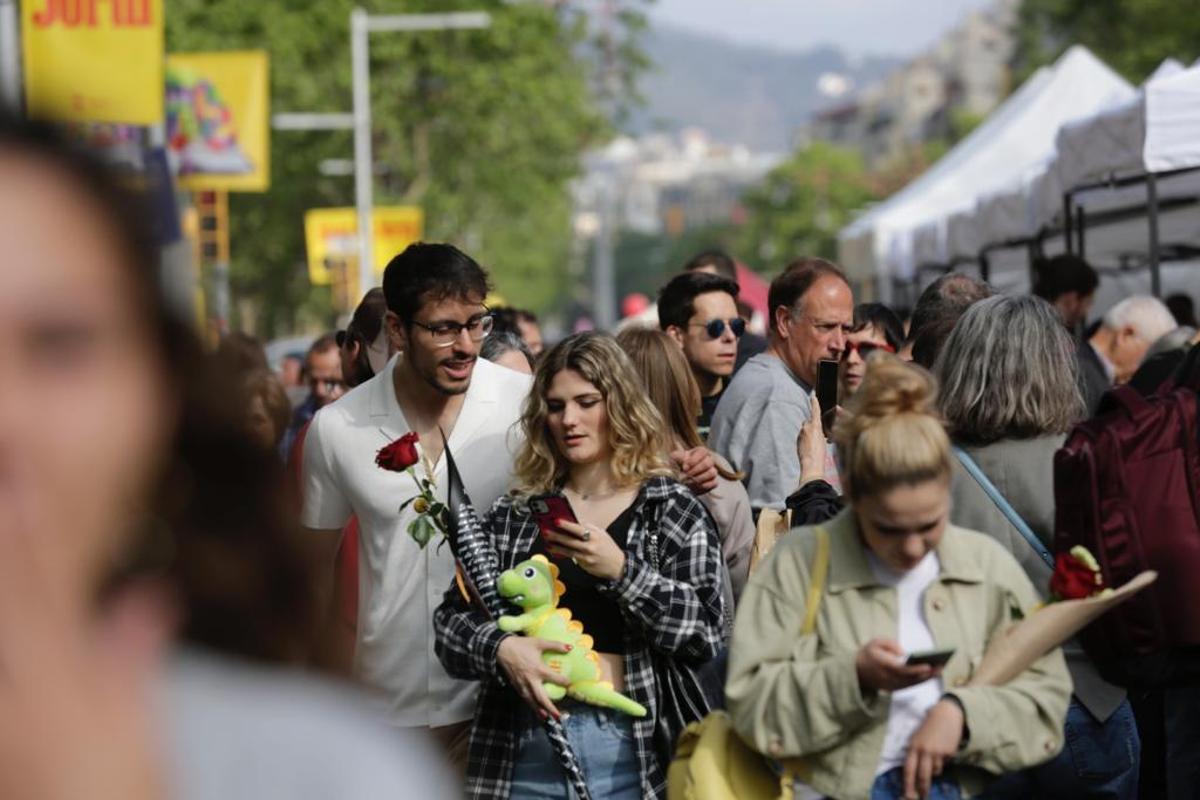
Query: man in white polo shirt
point(436, 320)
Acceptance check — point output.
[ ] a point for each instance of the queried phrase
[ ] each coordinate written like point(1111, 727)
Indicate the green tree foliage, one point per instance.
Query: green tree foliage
point(481, 128)
point(1132, 36)
point(802, 204)
point(644, 262)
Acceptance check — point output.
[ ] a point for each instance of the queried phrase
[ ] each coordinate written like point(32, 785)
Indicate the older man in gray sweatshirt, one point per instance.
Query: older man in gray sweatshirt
point(758, 420)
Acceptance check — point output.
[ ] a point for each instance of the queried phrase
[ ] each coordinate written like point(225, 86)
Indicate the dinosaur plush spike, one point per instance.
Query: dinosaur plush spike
point(533, 585)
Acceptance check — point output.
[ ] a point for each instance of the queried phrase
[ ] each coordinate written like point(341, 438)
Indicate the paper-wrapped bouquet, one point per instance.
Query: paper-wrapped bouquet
point(1078, 595)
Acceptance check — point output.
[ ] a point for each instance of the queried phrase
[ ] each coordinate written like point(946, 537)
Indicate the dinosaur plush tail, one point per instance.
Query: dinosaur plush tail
point(601, 693)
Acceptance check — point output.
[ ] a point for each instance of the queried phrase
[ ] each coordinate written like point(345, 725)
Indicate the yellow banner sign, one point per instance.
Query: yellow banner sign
point(331, 235)
point(218, 120)
point(94, 60)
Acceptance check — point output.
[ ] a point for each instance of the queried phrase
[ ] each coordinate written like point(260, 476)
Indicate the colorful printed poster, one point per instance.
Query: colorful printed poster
point(331, 235)
point(218, 120)
point(93, 60)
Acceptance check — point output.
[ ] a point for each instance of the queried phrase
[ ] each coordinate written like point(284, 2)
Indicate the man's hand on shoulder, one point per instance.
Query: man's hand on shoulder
point(698, 468)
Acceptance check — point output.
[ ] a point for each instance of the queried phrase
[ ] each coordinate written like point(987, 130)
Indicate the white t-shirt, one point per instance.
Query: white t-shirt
point(400, 584)
point(909, 706)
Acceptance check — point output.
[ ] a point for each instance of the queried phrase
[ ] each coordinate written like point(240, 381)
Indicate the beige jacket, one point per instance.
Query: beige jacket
point(792, 696)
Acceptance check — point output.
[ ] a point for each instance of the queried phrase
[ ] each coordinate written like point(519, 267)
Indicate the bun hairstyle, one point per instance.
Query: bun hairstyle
point(892, 435)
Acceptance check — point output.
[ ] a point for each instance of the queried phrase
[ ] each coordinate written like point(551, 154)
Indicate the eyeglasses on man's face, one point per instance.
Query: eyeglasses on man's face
point(866, 349)
point(715, 328)
point(446, 333)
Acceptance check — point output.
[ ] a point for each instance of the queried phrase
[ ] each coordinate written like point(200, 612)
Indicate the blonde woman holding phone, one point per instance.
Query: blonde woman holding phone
point(866, 719)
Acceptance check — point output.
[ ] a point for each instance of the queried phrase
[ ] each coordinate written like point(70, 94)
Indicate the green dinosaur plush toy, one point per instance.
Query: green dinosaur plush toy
point(534, 586)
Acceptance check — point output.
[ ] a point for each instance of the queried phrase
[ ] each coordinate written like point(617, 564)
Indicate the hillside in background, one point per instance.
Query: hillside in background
point(750, 95)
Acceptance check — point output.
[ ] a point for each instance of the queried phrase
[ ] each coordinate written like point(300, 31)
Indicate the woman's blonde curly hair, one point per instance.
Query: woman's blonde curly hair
point(637, 433)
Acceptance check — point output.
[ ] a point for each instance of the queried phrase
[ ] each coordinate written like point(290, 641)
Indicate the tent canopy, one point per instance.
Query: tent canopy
point(997, 156)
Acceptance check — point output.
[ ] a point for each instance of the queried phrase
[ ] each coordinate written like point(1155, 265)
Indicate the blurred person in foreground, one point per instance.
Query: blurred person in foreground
point(144, 511)
point(817, 497)
point(642, 570)
point(718, 262)
point(698, 310)
point(1010, 397)
point(326, 383)
point(1113, 353)
point(1068, 283)
point(759, 418)
point(668, 381)
point(508, 350)
point(901, 579)
point(937, 309)
point(437, 320)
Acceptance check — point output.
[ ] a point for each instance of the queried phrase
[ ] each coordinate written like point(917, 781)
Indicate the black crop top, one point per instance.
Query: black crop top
point(600, 615)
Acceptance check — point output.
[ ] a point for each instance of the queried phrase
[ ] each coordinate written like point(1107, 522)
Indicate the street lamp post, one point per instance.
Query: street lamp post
point(10, 55)
point(362, 25)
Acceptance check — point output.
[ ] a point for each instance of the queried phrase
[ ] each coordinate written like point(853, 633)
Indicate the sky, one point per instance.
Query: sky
point(858, 27)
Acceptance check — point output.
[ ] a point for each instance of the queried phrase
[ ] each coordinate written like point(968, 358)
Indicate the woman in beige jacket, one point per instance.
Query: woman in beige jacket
point(900, 580)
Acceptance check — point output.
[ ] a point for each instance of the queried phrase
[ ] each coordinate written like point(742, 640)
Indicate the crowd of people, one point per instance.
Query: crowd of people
point(201, 557)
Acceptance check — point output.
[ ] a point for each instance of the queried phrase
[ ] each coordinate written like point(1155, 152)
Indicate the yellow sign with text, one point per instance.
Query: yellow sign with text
point(331, 236)
point(93, 60)
point(218, 120)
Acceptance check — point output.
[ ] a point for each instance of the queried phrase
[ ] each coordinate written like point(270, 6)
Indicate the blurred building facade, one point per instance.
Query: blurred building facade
point(664, 184)
point(965, 73)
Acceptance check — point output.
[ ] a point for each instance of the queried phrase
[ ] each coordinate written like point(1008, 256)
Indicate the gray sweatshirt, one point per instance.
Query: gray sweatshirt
point(756, 426)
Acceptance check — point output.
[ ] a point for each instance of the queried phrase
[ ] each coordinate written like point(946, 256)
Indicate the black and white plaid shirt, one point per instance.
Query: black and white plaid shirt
point(670, 595)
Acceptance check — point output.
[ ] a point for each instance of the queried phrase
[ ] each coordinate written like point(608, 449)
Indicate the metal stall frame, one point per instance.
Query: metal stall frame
point(1075, 219)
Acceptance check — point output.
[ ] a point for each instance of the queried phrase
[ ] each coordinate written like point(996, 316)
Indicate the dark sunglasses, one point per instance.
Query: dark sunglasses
point(866, 349)
point(716, 327)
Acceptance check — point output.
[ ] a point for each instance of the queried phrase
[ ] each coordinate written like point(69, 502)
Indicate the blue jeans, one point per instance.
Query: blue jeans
point(603, 741)
point(1098, 760)
point(890, 786)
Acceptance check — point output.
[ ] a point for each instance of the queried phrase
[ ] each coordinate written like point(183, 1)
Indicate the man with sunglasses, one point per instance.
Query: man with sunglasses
point(699, 311)
point(437, 321)
point(758, 420)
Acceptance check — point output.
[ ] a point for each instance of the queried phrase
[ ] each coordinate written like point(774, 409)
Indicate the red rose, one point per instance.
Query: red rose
point(400, 454)
point(1072, 579)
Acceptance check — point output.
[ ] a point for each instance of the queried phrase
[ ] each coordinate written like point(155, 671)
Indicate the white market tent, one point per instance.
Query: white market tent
point(1127, 176)
point(1034, 201)
point(882, 243)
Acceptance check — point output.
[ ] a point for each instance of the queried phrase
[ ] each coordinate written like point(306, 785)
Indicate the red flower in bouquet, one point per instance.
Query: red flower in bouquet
point(400, 454)
point(1076, 575)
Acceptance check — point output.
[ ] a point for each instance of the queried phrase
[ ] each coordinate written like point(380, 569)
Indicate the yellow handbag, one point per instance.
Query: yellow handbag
point(713, 763)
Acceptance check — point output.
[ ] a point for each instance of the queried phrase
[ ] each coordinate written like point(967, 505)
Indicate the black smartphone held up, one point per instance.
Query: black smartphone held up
point(934, 658)
point(827, 393)
point(548, 509)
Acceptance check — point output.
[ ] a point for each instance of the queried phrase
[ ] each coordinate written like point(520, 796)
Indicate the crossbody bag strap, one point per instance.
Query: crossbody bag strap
point(793, 768)
point(820, 569)
point(1005, 507)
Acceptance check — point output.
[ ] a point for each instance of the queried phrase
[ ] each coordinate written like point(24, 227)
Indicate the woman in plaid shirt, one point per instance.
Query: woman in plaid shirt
point(643, 573)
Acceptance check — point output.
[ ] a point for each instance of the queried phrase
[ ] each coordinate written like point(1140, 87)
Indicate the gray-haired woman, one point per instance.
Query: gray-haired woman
point(1009, 396)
